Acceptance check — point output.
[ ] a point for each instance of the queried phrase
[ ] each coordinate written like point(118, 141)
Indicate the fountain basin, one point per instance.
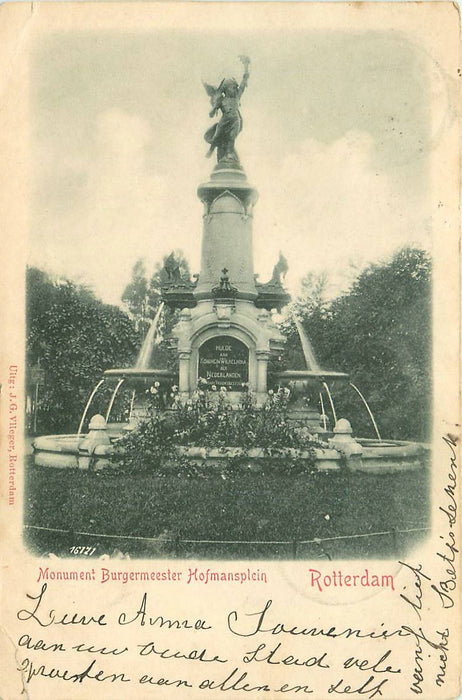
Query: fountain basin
point(62, 451)
point(301, 374)
point(56, 450)
point(133, 373)
point(376, 457)
point(383, 456)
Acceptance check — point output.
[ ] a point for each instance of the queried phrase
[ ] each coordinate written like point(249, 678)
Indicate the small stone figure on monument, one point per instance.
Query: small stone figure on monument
point(227, 99)
point(172, 269)
point(176, 287)
point(225, 289)
point(279, 271)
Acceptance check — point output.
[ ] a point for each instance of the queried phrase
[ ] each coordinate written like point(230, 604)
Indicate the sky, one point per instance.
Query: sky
point(337, 139)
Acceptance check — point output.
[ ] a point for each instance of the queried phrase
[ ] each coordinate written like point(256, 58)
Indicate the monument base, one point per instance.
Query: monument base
point(226, 345)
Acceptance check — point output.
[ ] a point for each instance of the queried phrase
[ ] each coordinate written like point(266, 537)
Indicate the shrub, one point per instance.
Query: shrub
point(209, 419)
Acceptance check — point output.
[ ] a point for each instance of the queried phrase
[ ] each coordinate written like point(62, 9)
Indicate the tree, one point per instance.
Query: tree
point(311, 309)
point(380, 333)
point(169, 317)
point(135, 294)
point(383, 333)
point(143, 298)
point(74, 337)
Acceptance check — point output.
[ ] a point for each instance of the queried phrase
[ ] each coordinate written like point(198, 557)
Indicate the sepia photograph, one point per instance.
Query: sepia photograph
point(229, 295)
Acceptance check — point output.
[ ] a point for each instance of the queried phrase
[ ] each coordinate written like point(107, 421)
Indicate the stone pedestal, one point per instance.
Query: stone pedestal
point(227, 345)
point(344, 442)
point(228, 201)
point(225, 339)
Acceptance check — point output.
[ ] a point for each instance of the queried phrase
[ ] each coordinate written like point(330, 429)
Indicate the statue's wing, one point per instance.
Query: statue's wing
point(212, 92)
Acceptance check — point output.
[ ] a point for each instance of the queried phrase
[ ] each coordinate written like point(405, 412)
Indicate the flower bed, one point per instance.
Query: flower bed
point(212, 428)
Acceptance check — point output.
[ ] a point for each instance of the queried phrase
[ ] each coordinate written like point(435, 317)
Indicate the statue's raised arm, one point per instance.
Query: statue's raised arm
point(226, 97)
point(245, 60)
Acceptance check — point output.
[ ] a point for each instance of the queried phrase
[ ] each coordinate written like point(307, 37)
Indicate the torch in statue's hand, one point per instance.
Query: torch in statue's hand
point(245, 60)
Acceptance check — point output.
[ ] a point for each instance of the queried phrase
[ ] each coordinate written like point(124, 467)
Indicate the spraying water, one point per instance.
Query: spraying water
point(371, 415)
point(331, 401)
point(132, 403)
point(324, 420)
point(84, 415)
point(144, 356)
point(308, 352)
point(113, 398)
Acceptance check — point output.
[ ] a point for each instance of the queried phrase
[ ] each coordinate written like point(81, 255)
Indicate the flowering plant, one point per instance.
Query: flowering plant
point(200, 422)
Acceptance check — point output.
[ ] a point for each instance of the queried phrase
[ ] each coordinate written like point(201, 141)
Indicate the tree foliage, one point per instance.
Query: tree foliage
point(74, 337)
point(142, 296)
point(380, 333)
point(169, 317)
point(135, 294)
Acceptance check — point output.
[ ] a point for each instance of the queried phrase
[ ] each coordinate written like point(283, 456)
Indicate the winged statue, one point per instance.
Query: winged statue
point(226, 99)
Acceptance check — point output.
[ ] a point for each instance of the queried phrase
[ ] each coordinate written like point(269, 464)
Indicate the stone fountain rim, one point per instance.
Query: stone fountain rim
point(134, 372)
point(309, 373)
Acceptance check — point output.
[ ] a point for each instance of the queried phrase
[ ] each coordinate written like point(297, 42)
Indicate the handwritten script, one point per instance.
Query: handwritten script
point(293, 659)
point(435, 588)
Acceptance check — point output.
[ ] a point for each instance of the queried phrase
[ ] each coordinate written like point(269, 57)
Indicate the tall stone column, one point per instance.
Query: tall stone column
point(226, 307)
point(227, 232)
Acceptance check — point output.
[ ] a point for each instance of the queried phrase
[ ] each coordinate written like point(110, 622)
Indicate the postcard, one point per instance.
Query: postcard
point(230, 408)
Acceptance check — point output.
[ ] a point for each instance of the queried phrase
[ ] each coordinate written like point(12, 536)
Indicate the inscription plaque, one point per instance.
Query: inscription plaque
point(224, 361)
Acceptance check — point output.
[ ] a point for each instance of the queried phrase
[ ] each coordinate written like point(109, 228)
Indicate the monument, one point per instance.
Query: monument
point(225, 338)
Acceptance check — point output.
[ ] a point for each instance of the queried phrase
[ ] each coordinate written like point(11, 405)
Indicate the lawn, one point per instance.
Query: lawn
point(247, 507)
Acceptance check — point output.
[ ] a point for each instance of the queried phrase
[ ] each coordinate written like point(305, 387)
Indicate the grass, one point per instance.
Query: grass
point(244, 507)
